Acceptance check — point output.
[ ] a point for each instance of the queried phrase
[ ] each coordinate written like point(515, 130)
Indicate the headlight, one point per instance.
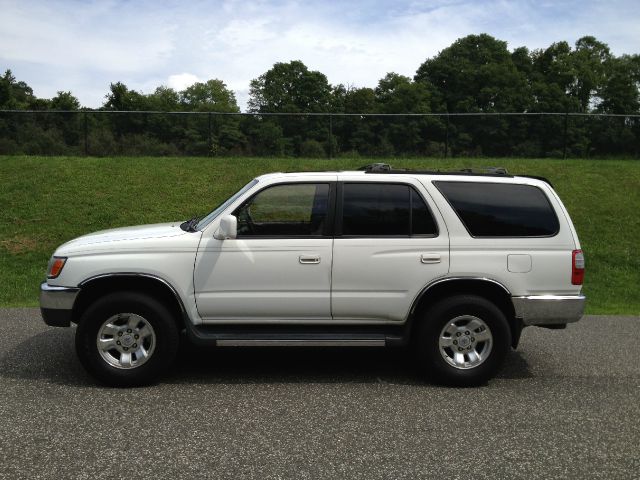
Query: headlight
point(55, 266)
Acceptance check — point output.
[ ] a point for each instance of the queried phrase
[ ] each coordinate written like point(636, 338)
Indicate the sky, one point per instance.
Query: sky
point(83, 46)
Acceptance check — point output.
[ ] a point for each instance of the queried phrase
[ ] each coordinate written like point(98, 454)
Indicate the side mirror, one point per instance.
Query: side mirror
point(228, 228)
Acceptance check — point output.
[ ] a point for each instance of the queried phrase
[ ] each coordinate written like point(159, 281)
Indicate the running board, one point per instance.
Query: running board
point(299, 342)
point(294, 336)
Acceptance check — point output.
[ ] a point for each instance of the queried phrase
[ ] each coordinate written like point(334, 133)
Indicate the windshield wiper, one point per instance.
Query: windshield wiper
point(190, 225)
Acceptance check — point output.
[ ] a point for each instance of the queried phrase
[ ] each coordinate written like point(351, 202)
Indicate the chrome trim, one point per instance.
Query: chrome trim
point(549, 309)
point(57, 298)
point(440, 280)
point(249, 342)
point(146, 275)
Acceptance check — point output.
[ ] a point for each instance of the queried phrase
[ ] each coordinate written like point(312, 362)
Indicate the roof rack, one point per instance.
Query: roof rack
point(376, 168)
point(386, 168)
point(487, 171)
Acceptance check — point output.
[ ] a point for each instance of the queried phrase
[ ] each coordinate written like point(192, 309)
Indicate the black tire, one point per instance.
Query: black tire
point(165, 340)
point(427, 348)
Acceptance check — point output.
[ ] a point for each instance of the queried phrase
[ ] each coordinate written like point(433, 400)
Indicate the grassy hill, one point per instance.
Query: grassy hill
point(48, 200)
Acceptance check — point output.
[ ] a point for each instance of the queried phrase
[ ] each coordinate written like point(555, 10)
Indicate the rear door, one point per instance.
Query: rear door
point(390, 242)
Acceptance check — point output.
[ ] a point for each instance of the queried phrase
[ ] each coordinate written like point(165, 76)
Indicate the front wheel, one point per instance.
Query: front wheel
point(126, 339)
point(462, 341)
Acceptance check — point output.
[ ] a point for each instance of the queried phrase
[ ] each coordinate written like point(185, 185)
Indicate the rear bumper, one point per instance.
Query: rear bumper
point(56, 304)
point(549, 309)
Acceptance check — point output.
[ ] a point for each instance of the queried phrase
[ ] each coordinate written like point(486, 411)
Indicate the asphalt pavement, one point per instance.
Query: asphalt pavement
point(566, 405)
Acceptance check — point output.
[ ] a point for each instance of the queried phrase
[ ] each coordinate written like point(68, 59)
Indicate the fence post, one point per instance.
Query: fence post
point(86, 135)
point(330, 136)
point(210, 140)
point(564, 147)
point(446, 139)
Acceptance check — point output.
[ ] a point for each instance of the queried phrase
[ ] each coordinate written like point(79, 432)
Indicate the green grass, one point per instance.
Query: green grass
point(48, 200)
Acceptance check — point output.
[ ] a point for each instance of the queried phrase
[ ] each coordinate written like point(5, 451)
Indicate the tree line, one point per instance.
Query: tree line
point(477, 75)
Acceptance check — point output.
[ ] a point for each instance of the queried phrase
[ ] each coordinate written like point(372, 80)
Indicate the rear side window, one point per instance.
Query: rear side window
point(501, 209)
point(385, 209)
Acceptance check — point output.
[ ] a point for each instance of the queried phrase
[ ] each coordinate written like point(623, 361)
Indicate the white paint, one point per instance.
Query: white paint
point(355, 280)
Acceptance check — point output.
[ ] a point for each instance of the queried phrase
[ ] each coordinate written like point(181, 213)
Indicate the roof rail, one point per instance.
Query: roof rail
point(386, 168)
point(486, 170)
point(376, 168)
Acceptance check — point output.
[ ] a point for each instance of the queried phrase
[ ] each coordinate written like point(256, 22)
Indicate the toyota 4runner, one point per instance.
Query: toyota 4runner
point(452, 264)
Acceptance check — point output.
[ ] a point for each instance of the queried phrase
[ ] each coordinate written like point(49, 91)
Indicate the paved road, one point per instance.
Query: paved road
point(567, 405)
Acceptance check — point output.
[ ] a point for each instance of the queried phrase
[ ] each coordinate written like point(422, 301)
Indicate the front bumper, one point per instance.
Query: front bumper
point(549, 309)
point(56, 304)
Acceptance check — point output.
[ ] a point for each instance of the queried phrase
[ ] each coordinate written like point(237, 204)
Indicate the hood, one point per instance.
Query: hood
point(140, 232)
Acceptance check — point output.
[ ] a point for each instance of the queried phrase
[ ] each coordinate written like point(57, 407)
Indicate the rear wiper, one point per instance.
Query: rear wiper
point(190, 225)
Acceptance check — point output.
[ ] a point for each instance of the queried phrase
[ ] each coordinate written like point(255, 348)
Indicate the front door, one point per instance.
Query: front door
point(279, 266)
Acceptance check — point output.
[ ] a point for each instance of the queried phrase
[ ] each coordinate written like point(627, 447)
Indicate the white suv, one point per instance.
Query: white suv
point(453, 264)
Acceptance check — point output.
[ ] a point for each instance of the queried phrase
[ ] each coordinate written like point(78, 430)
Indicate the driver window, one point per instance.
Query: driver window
point(285, 210)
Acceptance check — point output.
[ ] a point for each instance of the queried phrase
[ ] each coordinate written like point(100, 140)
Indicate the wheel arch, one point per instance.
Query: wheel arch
point(94, 287)
point(487, 288)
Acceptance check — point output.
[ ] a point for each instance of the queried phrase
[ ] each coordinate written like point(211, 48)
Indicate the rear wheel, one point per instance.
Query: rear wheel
point(462, 341)
point(126, 339)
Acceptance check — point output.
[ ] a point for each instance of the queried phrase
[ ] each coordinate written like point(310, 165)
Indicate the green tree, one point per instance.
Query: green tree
point(397, 94)
point(590, 59)
point(619, 94)
point(131, 130)
point(64, 101)
point(293, 88)
point(553, 79)
point(214, 96)
point(290, 87)
point(353, 135)
point(210, 96)
point(477, 74)
point(554, 86)
point(360, 100)
point(521, 58)
point(15, 95)
point(122, 99)
point(620, 89)
point(164, 99)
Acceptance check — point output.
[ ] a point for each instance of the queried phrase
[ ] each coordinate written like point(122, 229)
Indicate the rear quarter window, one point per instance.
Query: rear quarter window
point(501, 209)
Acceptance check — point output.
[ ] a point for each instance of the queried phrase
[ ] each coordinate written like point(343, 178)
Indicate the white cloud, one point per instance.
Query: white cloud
point(103, 36)
point(82, 46)
point(242, 33)
point(181, 81)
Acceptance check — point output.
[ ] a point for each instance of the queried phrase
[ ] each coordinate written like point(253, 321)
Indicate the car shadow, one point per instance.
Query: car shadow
point(50, 356)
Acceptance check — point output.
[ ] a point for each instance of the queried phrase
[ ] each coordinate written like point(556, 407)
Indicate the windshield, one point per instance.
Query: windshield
point(211, 216)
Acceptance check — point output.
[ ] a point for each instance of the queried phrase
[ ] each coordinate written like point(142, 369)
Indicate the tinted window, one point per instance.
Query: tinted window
point(384, 209)
point(285, 210)
point(501, 209)
point(422, 220)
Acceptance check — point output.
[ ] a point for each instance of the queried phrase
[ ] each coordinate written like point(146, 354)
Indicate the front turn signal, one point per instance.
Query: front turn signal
point(55, 266)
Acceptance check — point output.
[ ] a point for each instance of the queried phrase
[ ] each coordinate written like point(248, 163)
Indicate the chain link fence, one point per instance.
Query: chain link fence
point(322, 135)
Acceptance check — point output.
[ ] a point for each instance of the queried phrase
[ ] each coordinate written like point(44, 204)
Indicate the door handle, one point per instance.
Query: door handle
point(307, 259)
point(430, 258)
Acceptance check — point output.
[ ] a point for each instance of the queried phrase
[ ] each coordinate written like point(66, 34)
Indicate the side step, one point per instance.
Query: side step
point(310, 341)
point(293, 336)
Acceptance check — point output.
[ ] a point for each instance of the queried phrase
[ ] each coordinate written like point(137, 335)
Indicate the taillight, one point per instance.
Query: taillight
point(577, 267)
